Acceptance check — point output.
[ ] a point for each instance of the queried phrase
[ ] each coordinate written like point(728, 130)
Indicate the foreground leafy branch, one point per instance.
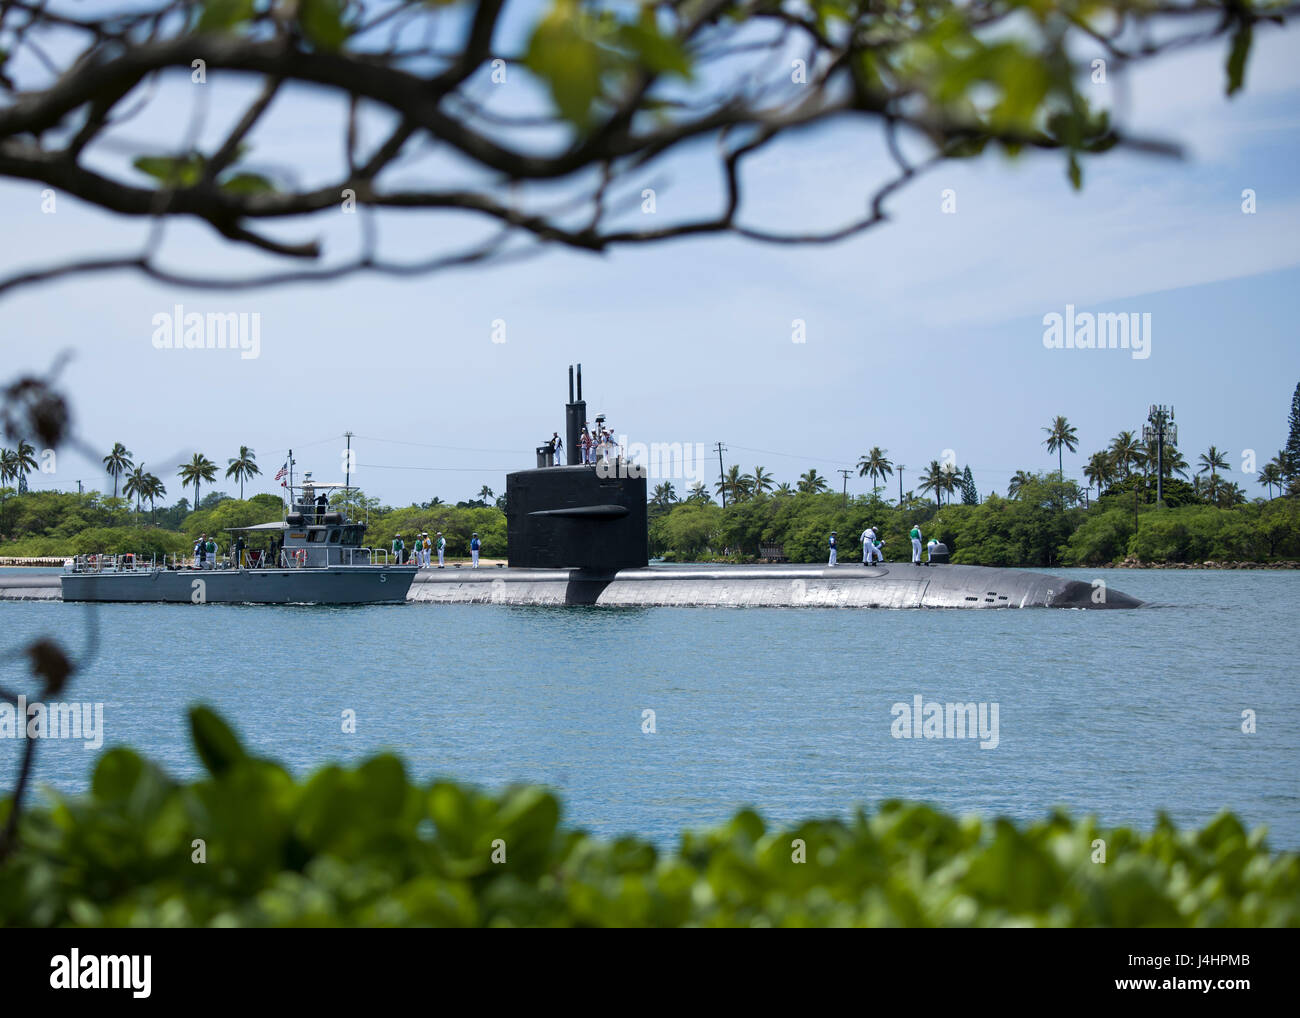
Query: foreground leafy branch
point(555, 136)
point(366, 846)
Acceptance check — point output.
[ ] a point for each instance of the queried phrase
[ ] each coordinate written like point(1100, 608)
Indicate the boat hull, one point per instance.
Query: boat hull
point(342, 585)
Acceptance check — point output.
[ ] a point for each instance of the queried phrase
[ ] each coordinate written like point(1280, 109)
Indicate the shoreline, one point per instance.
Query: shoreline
point(53, 561)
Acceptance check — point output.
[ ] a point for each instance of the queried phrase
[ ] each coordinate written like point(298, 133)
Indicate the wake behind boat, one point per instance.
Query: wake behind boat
point(314, 556)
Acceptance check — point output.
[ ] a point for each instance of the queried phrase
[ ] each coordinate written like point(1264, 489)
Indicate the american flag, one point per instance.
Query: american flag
point(283, 470)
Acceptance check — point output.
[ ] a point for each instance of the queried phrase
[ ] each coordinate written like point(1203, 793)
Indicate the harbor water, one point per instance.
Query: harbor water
point(792, 711)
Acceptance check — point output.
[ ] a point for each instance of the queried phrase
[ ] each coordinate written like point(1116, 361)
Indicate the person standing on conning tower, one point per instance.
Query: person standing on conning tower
point(474, 545)
point(916, 545)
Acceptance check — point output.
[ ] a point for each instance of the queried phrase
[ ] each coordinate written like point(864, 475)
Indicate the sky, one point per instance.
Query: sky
point(923, 336)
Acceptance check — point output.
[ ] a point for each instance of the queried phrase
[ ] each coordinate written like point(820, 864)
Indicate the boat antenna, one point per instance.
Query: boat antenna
point(347, 467)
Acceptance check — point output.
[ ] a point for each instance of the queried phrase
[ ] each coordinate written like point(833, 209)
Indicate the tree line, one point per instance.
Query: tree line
point(1045, 518)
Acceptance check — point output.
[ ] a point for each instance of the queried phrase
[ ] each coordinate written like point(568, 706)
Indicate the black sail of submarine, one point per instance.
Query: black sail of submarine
point(577, 516)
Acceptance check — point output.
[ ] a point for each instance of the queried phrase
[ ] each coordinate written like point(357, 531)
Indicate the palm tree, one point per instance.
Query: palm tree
point(699, 493)
point(812, 483)
point(761, 482)
point(200, 468)
point(874, 465)
point(117, 463)
point(8, 471)
point(1019, 481)
point(783, 489)
point(1100, 470)
point(154, 489)
point(1061, 435)
point(1173, 460)
point(486, 493)
point(735, 484)
point(951, 481)
point(1125, 452)
point(1165, 457)
point(242, 467)
point(24, 460)
point(1212, 460)
point(1274, 473)
point(933, 481)
point(664, 495)
point(137, 485)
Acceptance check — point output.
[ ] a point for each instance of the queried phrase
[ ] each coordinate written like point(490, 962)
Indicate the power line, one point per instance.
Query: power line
point(406, 466)
point(429, 445)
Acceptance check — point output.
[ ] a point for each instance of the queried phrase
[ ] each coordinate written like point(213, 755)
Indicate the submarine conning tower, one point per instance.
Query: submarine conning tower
point(589, 516)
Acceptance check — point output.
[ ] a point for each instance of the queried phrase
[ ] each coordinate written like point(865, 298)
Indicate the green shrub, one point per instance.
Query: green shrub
point(144, 541)
point(1101, 537)
point(366, 846)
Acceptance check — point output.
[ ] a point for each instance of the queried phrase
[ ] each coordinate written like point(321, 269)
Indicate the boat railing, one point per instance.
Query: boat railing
point(331, 555)
point(289, 558)
point(124, 563)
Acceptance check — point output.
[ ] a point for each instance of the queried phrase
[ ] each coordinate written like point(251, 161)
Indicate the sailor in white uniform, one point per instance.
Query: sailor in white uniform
point(870, 549)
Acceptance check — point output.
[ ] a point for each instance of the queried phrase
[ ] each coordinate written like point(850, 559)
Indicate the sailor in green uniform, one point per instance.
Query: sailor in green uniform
point(211, 549)
point(442, 548)
point(916, 545)
point(399, 548)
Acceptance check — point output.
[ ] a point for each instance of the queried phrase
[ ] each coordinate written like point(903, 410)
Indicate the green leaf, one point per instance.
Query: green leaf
point(116, 773)
point(247, 183)
point(223, 15)
point(570, 62)
point(657, 52)
point(1237, 55)
point(322, 23)
point(182, 171)
point(217, 745)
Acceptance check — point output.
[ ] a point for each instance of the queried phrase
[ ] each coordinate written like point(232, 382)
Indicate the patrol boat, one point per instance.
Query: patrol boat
point(314, 557)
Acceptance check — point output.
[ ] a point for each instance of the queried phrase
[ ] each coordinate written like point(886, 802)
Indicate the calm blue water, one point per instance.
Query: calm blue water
point(1119, 714)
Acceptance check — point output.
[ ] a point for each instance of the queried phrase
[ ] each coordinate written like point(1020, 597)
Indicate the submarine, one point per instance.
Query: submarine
point(577, 534)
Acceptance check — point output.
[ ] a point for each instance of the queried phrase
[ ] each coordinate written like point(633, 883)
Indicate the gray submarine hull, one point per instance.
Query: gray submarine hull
point(892, 585)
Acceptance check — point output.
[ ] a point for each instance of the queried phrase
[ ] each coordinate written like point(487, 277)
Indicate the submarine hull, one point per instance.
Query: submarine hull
point(893, 585)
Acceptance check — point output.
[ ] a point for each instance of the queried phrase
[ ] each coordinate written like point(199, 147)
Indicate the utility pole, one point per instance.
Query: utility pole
point(901, 468)
point(845, 475)
point(722, 477)
point(347, 468)
point(1160, 423)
